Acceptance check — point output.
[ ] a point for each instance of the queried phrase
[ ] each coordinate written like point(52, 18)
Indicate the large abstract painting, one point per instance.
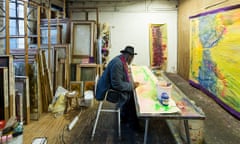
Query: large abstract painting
point(158, 45)
point(215, 56)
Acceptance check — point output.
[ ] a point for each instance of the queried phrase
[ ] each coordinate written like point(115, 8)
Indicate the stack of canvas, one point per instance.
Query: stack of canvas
point(7, 86)
point(4, 106)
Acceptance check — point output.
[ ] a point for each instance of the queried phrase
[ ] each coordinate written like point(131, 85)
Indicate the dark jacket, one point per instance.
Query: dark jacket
point(113, 77)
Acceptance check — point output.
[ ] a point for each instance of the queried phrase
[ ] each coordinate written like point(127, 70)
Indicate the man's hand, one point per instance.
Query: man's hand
point(136, 84)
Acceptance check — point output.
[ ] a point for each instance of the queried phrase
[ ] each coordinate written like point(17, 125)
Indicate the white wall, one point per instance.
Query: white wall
point(133, 29)
point(130, 26)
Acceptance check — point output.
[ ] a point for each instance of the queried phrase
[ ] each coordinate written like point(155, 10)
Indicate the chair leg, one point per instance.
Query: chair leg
point(119, 124)
point(96, 121)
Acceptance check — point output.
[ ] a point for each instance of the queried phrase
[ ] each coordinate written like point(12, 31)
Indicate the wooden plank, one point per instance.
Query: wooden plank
point(38, 93)
point(38, 27)
point(27, 101)
point(49, 37)
point(26, 36)
point(43, 83)
point(64, 8)
point(7, 27)
point(47, 98)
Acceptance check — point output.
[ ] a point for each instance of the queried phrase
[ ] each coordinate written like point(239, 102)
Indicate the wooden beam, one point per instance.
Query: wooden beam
point(64, 8)
point(26, 36)
point(49, 53)
point(38, 27)
point(7, 27)
point(49, 37)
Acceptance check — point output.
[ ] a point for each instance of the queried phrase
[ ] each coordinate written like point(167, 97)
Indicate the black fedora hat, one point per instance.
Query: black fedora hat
point(129, 49)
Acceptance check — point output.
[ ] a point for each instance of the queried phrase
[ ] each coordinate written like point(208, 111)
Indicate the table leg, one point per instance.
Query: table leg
point(187, 131)
point(146, 131)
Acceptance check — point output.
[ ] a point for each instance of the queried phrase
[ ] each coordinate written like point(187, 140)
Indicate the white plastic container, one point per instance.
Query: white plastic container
point(163, 86)
point(88, 97)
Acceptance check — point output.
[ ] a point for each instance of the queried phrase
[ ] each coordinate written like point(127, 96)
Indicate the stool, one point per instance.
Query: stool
point(69, 96)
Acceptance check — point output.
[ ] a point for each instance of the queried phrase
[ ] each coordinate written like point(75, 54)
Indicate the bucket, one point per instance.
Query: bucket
point(163, 87)
point(195, 131)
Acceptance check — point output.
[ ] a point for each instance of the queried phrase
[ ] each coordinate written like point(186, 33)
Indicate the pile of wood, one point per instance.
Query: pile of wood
point(26, 84)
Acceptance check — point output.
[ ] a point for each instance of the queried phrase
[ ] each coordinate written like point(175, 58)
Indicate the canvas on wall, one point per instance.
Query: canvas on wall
point(214, 59)
point(158, 45)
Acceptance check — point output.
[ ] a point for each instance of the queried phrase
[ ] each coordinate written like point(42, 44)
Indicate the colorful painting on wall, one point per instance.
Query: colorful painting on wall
point(214, 60)
point(158, 45)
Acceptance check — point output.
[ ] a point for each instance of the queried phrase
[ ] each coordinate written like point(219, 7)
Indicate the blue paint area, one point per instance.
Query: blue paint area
point(207, 77)
point(209, 33)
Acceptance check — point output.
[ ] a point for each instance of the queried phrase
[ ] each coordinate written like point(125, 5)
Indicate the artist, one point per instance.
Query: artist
point(116, 76)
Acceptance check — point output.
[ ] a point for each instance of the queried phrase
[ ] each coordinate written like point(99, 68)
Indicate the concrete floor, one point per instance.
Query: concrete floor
point(220, 127)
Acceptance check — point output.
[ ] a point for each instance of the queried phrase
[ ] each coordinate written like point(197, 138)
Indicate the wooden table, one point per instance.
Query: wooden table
point(148, 107)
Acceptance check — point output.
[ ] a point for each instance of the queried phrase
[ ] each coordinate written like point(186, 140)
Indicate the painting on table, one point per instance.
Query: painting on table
point(146, 93)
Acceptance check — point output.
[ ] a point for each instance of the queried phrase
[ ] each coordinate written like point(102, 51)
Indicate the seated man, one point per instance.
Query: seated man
point(116, 77)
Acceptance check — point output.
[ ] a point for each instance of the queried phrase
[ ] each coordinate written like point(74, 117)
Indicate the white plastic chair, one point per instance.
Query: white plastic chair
point(103, 109)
